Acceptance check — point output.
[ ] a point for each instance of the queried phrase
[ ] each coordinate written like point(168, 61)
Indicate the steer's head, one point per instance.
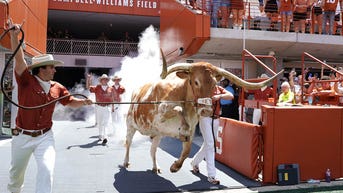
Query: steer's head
point(203, 77)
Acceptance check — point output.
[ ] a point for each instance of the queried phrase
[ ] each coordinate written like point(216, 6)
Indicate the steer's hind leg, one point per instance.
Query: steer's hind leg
point(155, 143)
point(129, 136)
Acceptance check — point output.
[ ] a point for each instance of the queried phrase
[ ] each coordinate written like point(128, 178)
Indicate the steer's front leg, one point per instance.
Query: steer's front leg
point(184, 154)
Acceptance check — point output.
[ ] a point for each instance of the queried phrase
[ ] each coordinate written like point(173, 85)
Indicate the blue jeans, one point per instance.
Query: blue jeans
point(328, 15)
point(213, 10)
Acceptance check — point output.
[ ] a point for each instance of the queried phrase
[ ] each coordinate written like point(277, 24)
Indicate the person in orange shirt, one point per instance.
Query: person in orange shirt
point(329, 10)
point(105, 95)
point(225, 9)
point(317, 16)
point(32, 134)
point(209, 128)
point(300, 15)
point(272, 11)
point(286, 11)
point(261, 94)
point(322, 93)
point(237, 9)
point(118, 90)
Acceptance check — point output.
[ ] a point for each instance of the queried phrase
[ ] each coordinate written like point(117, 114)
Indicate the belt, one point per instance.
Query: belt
point(34, 133)
point(215, 116)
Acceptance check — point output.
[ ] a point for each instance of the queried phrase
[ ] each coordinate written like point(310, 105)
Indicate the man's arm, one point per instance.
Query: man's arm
point(76, 103)
point(224, 94)
point(88, 81)
point(20, 63)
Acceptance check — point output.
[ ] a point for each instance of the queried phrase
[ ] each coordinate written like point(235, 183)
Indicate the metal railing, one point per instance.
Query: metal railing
point(257, 19)
point(91, 47)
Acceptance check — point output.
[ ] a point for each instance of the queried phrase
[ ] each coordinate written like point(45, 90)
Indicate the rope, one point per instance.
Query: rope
point(213, 134)
point(144, 102)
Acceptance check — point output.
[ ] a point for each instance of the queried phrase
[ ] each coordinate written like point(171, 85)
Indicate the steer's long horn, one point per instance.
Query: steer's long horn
point(164, 67)
point(179, 67)
point(247, 85)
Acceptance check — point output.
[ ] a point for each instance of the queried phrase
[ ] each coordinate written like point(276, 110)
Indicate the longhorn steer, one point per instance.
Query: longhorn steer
point(184, 84)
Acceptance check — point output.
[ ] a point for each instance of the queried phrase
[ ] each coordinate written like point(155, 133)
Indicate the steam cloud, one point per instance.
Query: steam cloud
point(135, 72)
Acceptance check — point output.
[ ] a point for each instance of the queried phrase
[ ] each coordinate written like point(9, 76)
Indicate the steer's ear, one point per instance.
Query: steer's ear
point(182, 74)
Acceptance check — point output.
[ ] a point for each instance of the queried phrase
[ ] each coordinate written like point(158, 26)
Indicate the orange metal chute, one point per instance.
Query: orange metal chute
point(257, 103)
point(33, 15)
point(182, 31)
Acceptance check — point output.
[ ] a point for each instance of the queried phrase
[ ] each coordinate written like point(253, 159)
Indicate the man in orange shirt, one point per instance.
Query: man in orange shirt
point(261, 94)
point(329, 11)
point(209, 128)
point(118, 91)
point(104, 94)
point(33, 134)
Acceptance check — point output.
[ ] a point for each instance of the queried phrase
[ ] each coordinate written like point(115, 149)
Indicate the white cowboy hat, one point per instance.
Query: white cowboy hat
point(116, 78)
point(44, 60)
point(264, 76)
point(104, 76)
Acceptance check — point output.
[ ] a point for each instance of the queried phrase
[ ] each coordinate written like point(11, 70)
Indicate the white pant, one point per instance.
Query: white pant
point(116, 113)
point(256, 116)
point(207, 148)
point(103, 114)
point(43, 149)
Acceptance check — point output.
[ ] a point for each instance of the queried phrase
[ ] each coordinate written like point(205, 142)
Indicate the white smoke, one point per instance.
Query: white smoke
point(144, 68)
point(135, 71)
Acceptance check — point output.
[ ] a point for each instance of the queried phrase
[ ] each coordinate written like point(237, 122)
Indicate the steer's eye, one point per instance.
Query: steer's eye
point(196, 83)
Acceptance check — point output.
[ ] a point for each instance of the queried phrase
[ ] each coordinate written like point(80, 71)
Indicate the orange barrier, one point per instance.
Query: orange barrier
point(310, 136)
point(33, 15)
point(238, 146)
point(182, 31)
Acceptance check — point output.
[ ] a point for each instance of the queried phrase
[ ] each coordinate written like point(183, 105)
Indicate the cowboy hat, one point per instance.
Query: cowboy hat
point(104, 76)
point(44, 60)
point(264, 76)
point(116, 78)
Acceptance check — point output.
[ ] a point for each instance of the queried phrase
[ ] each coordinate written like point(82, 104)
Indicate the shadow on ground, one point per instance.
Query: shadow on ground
point(174, 147)
point(148, 181)
point(87, 145)
point(151, 182)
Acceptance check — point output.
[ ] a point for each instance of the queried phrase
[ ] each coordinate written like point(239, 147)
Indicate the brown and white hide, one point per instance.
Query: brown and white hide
point(175, 112)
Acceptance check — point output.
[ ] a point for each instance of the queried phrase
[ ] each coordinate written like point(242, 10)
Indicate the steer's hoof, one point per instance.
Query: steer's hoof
point(126, 165)
point(174, 168)
point(156, 170)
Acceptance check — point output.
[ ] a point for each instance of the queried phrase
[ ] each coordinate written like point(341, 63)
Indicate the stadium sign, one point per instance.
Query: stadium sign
point(132, 7)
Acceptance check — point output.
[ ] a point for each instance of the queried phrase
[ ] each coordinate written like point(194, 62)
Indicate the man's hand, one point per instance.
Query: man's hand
point(87, 102)
point(16, 28)
point(216, 97)
point(89, 80)
point(19, 57)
